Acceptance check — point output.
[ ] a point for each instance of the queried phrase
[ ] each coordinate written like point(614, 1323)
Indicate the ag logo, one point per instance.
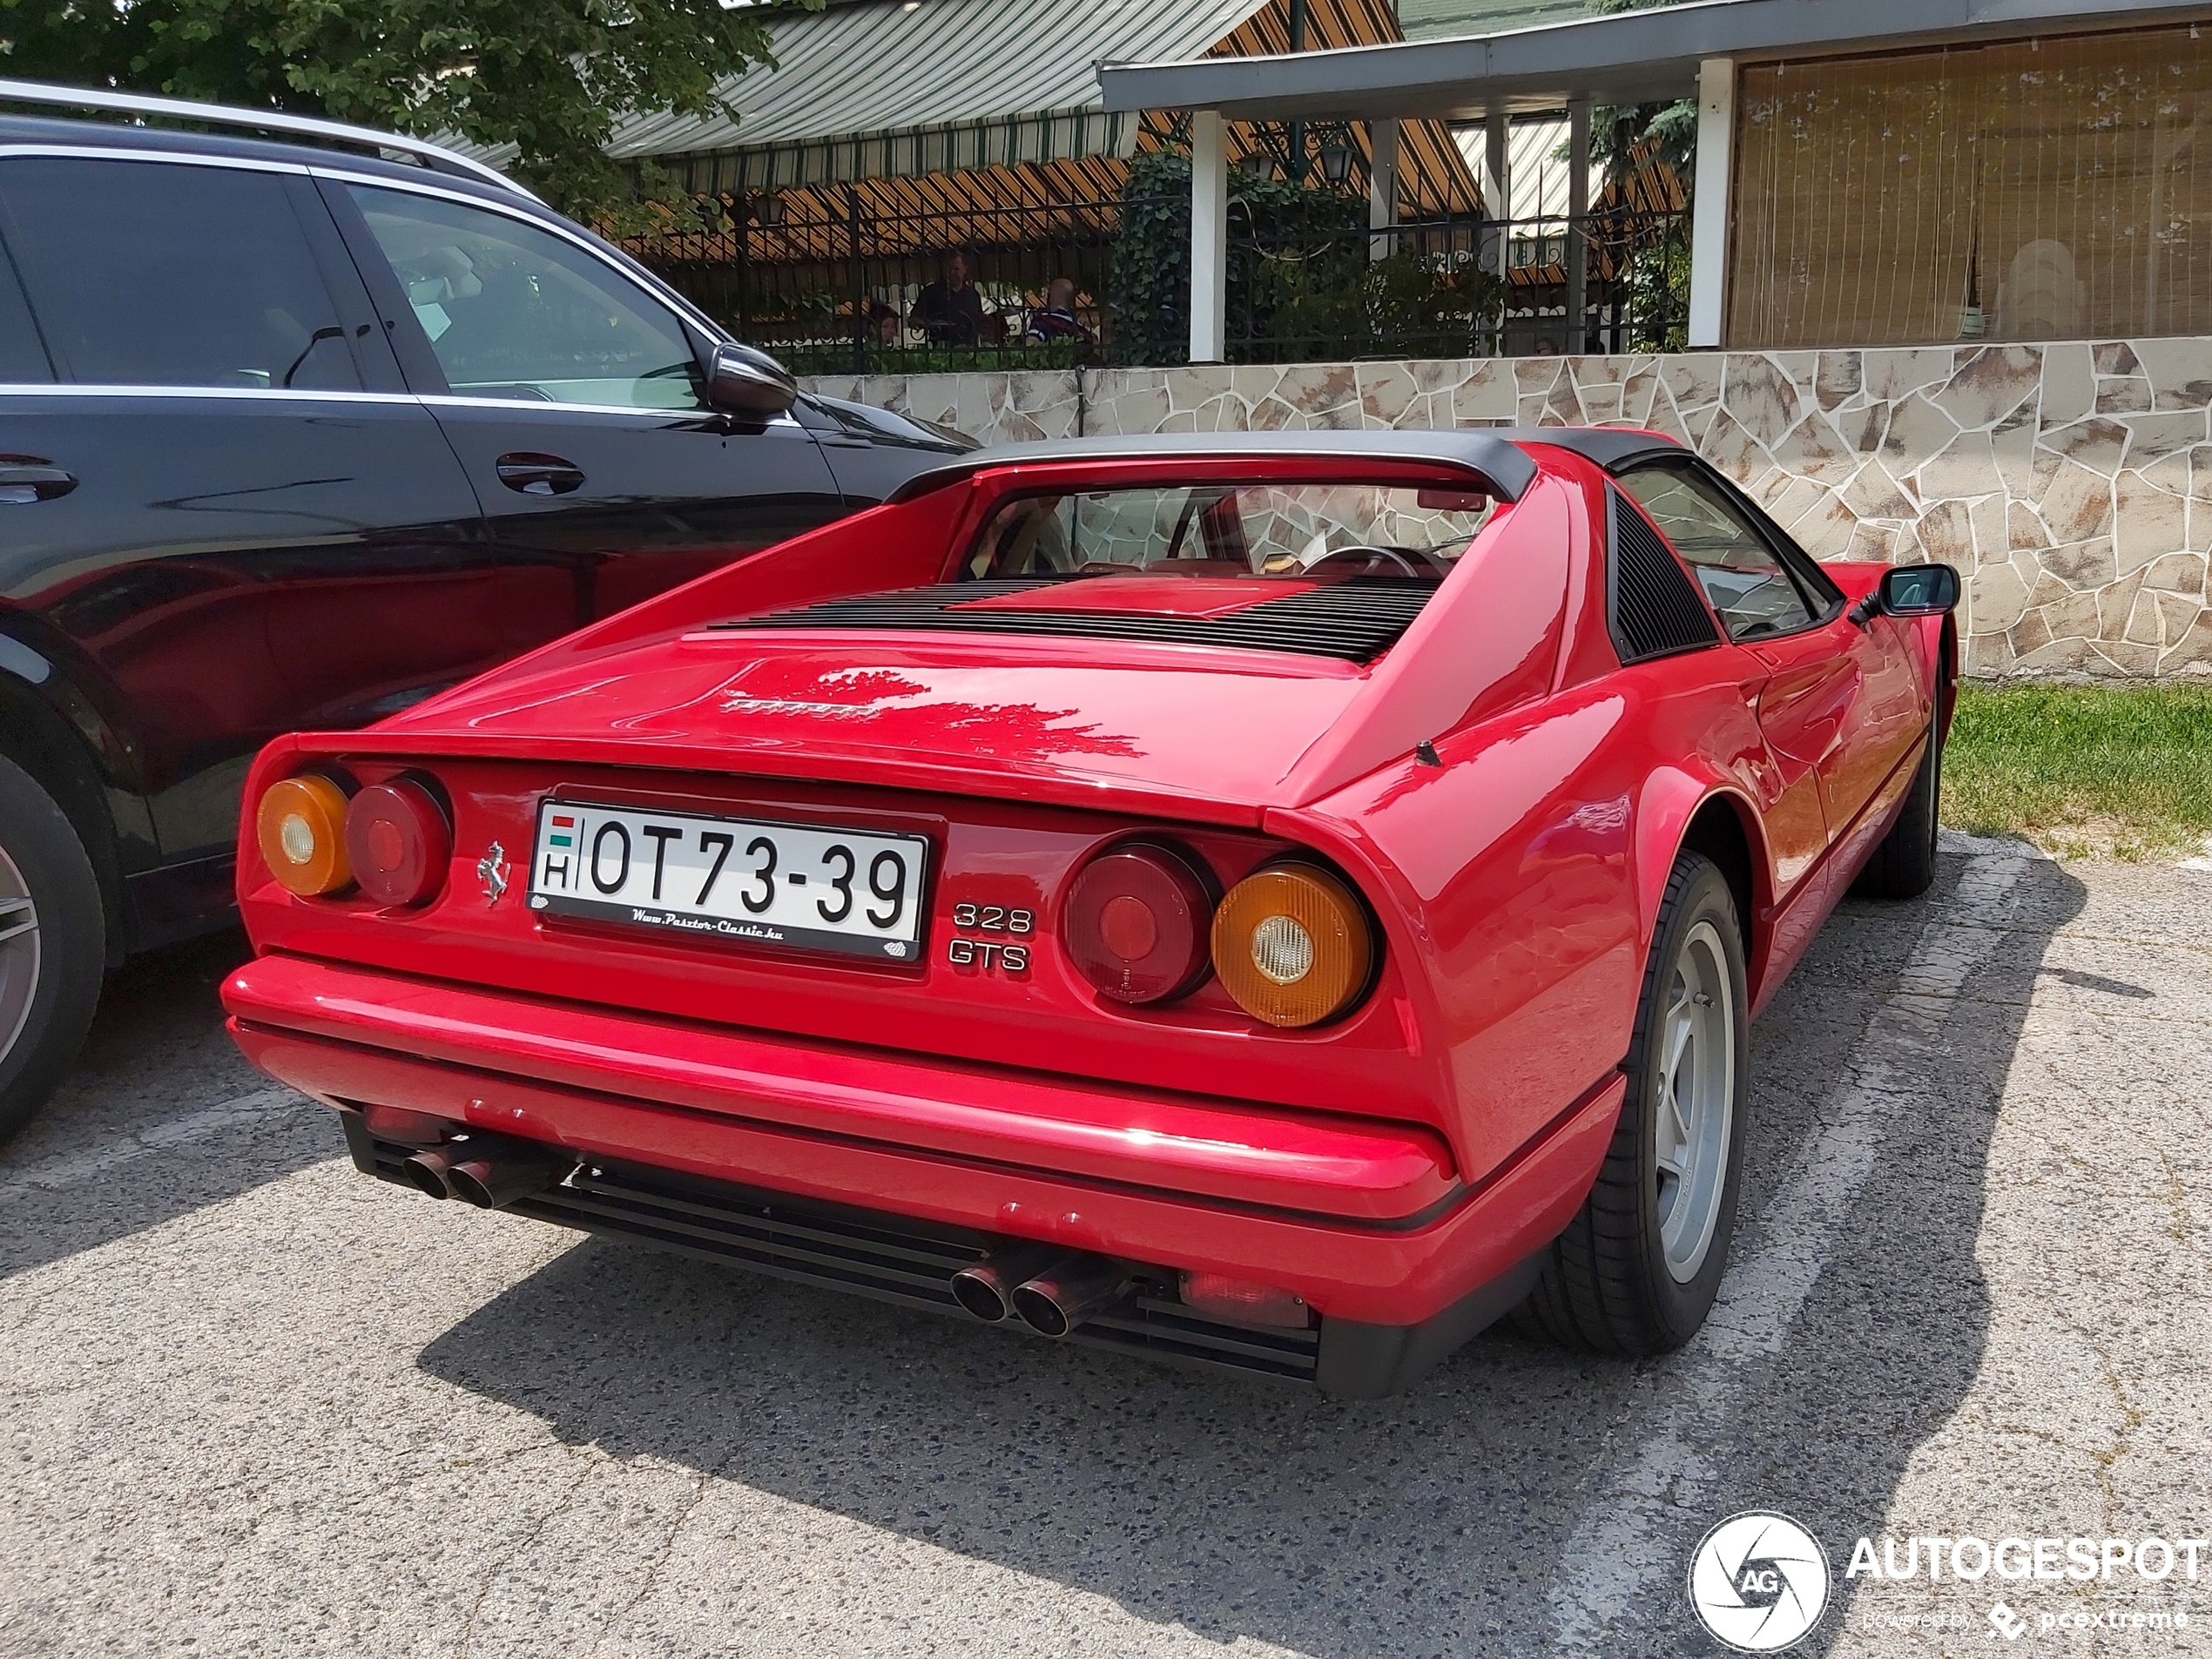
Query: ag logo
point(1759, 1583)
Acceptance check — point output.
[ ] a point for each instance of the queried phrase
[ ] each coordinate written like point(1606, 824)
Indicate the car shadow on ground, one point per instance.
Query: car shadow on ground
point(1235, 1508)
point(103, 1160)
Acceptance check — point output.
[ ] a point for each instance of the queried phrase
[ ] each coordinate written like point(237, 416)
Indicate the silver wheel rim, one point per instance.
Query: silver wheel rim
point(1694, 1100)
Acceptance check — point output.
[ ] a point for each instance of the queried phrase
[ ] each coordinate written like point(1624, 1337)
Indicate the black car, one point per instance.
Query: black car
point(294, 434)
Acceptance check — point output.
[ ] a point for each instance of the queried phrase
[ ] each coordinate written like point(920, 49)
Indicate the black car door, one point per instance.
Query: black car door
point(247, 525)
point(571, 393)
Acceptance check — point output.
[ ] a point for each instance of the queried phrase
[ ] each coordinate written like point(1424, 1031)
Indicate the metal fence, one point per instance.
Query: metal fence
point(1461, 288)
point(831, 287)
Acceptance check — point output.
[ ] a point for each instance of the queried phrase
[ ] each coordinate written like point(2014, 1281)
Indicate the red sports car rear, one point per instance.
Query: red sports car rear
point(1203, 898)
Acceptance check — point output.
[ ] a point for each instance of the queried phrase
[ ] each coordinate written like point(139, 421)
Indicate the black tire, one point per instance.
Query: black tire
point(1605, 1284)
point(1903, 866)
point(48, 990)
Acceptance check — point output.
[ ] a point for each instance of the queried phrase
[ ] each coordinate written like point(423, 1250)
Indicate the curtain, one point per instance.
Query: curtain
point(2033, 190)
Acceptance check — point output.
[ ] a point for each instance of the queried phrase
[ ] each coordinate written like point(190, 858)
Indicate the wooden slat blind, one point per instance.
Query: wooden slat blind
point(2061, 187)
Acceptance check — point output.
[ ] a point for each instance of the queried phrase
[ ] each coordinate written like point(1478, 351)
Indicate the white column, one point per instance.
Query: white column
point(1578, 243)
point(1709, 205)
point(1209, 235)
point(1497, 188)
point(1382, 184)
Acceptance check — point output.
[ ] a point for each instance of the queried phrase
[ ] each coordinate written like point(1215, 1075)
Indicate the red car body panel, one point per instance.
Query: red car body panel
point(1506, 796)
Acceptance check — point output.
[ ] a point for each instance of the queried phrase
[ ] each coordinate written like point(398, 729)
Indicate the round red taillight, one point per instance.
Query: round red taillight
point(397, 841)
point(1136, 924)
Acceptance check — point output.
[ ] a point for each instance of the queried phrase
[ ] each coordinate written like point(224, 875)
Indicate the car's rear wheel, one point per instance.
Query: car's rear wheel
point(1638, 1268)
point(52, 946)
point(1903, 866)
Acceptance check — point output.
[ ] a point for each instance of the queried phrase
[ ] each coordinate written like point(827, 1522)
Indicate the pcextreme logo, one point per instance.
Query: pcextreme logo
point(1759, 1583)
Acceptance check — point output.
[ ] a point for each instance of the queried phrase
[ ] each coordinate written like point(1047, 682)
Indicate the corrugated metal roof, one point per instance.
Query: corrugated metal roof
point(884, 67)
point(1426, 19)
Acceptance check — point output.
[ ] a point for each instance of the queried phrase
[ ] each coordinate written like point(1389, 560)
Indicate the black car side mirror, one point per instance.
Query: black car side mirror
point(1910, 590)
point(740, 380)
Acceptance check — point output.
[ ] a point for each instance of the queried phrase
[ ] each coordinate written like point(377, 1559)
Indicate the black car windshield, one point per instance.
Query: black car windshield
point(1270, 529)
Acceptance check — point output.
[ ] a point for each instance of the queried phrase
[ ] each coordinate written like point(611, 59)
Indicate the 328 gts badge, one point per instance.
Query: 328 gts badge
point(1006, 948)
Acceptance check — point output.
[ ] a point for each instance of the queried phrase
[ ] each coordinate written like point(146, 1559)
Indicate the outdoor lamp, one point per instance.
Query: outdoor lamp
point(1336, 160)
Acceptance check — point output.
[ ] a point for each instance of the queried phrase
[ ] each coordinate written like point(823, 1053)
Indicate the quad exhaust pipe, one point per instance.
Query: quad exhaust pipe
point(489, 1171)
point(1052, 1291)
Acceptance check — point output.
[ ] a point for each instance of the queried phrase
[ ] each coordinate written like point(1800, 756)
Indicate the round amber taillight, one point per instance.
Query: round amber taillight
point(1135, 924)
point(1292, 945)
point(397, 840)
point(300, 825)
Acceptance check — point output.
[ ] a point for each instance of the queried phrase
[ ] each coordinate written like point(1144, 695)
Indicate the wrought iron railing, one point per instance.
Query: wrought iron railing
point(831, 289)
point(1461, 288)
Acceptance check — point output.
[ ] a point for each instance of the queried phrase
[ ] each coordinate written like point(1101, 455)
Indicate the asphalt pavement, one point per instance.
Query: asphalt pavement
point(254, 1403)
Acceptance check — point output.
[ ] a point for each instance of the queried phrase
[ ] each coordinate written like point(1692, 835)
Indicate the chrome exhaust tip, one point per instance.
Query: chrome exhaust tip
point(986, 1289)
point(1056, 1301)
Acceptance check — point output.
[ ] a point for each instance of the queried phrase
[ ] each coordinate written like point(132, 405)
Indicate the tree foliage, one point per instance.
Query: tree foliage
point(1670, 129)
point(548, 77)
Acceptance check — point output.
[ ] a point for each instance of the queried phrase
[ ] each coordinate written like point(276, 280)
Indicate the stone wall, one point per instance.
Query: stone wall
point(2071, 483)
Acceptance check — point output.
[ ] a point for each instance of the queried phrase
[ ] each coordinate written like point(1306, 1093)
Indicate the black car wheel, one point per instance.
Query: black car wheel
point(1903, 865)
point(1637, 1269)
point(52, 946)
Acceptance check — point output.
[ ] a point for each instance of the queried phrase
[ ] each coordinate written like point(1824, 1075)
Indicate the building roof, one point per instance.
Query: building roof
point(1428, 19)
point(1621, 58)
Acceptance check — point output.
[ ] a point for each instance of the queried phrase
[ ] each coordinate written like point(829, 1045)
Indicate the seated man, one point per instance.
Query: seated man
point(1057, 319)
point(950, 313)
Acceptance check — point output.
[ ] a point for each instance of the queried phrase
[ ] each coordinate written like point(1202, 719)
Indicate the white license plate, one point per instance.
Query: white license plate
point(686, 874)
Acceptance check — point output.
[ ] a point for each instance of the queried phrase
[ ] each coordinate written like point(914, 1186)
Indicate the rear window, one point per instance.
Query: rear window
point(162, 273)
point(22, 356)
point(1272, 530)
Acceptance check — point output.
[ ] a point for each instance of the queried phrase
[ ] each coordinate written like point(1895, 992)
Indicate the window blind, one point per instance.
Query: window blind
point(2048, 189)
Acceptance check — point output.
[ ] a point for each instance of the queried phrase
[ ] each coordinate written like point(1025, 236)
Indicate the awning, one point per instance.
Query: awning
point(1620, 57)
point(879, 89)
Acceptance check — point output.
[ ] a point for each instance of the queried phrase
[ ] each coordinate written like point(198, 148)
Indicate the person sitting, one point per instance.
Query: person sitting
point(950, 311)
point(883, 324)
point(1057, 319)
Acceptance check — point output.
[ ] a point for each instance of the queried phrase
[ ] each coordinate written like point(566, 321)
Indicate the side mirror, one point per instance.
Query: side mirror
point(1910, 590)
point(740, 380)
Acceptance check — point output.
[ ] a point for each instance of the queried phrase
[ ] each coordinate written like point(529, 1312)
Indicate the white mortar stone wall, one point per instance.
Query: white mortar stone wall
point(2071, 483)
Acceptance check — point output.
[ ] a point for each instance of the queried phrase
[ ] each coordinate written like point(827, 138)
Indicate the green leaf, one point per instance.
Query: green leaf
point(549, 77)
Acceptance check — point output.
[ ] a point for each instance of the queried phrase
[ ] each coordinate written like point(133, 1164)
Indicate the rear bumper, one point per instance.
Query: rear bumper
point(1367, 1221)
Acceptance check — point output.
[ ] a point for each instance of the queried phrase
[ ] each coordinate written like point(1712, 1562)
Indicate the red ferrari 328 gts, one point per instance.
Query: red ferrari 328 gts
point(1276, 902)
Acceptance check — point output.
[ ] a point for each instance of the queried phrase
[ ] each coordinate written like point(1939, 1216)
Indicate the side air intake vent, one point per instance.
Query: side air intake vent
point(1355, 620)
point(1651, 606)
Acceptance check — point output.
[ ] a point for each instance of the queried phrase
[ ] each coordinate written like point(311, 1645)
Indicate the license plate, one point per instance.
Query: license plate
point(799, 886)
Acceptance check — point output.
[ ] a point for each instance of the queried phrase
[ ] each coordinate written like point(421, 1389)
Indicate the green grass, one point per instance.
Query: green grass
point(2084, 772)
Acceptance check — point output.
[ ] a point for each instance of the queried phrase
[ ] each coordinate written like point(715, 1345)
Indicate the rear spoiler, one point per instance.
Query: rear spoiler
point(1489, 464)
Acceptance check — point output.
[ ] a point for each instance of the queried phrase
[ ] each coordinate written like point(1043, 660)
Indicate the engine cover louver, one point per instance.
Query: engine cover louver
point(1354, 621)
point(1652, 607)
